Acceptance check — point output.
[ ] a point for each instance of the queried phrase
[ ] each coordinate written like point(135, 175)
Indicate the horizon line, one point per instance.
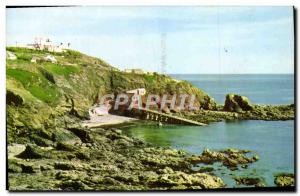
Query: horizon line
point(227, 73)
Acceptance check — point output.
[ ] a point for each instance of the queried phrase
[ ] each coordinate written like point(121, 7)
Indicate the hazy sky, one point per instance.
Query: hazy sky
point(198, 39)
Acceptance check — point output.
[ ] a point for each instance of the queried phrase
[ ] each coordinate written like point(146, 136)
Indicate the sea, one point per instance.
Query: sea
point(272, 141)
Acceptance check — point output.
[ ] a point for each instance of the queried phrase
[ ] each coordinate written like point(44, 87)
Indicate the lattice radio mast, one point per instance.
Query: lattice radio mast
point(163, 60)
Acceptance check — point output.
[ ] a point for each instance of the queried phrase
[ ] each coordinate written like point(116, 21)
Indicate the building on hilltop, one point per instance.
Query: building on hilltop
point(139, 91)
point(136, 71)
point(44, 43)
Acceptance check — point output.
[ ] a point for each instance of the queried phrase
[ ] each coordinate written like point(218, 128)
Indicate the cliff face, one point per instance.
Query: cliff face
point(43, 96)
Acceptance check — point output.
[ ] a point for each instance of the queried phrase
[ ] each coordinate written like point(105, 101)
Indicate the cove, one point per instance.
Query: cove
point(273, 141)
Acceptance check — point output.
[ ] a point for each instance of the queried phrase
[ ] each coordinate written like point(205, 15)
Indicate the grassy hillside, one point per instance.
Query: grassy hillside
point(44, 96)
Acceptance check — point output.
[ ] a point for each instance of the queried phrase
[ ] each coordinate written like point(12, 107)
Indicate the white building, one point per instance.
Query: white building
point(139, 91)
point(136, 71)
point(44, 43)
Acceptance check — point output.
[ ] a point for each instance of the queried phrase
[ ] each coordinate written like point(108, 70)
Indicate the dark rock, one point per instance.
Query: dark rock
point(13, 99)
point(209, 104)
point(49, 76)
point(27, 168)
point(64, 166)
point(46, 167)
point(237, 103)
point(81, 133)
point(65, 146)
point(45, 134)
point(31, 152)
point(257, 182)
point(40, 141)
point(83, 155)
point(206, 169)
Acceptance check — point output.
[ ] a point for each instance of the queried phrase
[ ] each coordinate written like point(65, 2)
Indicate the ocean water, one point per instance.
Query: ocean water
point(273, 141)
point(259, 88)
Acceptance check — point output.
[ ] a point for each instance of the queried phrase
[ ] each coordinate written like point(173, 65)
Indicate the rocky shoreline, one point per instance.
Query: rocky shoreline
point(267, 113)
point(104, 160)
point(237, 107)
point(107, 159)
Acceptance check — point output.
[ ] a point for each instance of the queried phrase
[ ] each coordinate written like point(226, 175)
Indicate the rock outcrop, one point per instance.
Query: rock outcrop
point(249, 181)
point(259, 112)
point(231, 158)
point(284, 179)
point(237, 103)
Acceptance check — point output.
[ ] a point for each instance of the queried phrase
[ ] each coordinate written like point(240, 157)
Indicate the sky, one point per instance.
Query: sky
point(199, 40)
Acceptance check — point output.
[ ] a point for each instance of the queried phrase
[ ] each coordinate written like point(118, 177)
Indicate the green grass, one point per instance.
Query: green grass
point(17, 50)
point(22, 50)
point(150, 78)
point(24, 56)
point(65, 70)
point(72, 53)
point(36, 84)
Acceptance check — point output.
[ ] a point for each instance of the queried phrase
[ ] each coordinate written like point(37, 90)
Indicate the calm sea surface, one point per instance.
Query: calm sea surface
point(259, 88)
point(273, 141)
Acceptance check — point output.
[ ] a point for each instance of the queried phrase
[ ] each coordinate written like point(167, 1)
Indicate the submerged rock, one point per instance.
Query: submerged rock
point(206, 169)
point(230, 158)
point(257, 182)
point(284, 179)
